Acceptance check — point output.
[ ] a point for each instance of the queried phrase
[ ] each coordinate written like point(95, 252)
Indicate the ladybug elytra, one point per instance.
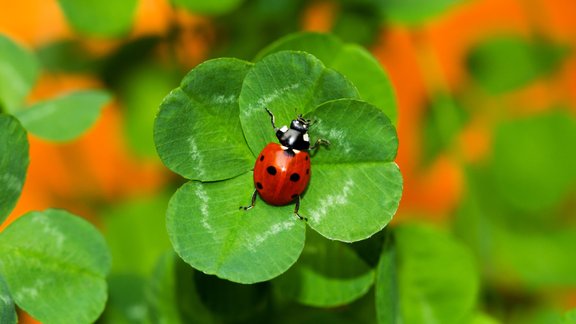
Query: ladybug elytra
point(282, 170)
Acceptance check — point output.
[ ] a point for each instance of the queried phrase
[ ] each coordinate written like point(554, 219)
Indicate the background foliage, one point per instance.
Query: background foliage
point(481, 93)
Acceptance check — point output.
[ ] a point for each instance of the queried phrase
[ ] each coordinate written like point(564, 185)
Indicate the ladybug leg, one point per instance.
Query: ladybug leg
point(271, 118)
point(252, 203)
point(297, 207)
point(319, 142)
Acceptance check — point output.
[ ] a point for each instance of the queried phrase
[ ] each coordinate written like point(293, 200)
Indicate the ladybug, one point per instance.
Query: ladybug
point(282, 170)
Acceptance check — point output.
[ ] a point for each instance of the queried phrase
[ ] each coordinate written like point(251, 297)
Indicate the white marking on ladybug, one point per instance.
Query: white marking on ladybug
point(306, 137)
point(284, 147)
point(296, 151)
point(284, 129)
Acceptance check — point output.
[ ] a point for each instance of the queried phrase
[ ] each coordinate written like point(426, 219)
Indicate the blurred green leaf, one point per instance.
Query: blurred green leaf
point(481, 318)
point(533, 163)
point(267, 19)
point(55, 266)
point(355, 187)
point(360, 311)
point(535, 258)
point(288, 83)
point(66, 117)
point(179, 294)
point(387, 292)
point(512, 247)
point(161, 292)
point(133, 231)
point(7, 310)
point(415, 12)
point(129, 56)
point(66, 56)
point(327, 274)
point(475, 215)
point(358, 22)
point(370, 249)
point(141, 92)
point(13, 163)
point(537, 314)
point(127, 301)
point(212, 7)
point(19, 70)
point(353, 61)
point(101, 18)
point(437, 280)
point(569, 317)
point(209, 232)
point(444, 119)
point(197, 131)
point(230, 301)
point(172, 296)
point(322, 46)
point(505, 63)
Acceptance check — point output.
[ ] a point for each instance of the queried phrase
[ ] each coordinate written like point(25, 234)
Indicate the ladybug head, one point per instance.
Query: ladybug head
point(300, 124)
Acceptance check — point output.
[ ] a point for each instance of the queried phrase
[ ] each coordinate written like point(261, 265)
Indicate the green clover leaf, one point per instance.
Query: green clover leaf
point(489, 62)
point(66, 117)
point(55, 266)
point(208, 231)
point(288, 83)
point(214, 7)
point(352, 60)
point(328, 274)
point(100, 18)
point(19, 70)
point(569, 317)
point(197, 131)
point(355, 186)
point(13, 163)
point(536, 175)
point(211, 128)
point(7, 310)
point(415, 12)
point(413, 284)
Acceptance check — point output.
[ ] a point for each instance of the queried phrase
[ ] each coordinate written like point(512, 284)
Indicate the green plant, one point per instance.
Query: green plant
point(211, 128)
point(209, 131)
point(347, 263)
point(52, 263)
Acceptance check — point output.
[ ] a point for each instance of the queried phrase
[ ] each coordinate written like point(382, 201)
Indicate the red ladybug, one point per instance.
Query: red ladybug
point(282, 170)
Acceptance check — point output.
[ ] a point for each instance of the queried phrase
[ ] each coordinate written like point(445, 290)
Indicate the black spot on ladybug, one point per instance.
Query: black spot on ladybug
point(294, 177)
point(271, 170)
point(259, 185)
point(261, 157)
point(306, 157)
point(294, 196)
point(307, 171)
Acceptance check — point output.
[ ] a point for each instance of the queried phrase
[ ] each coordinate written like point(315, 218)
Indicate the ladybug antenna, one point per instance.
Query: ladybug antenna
point(311, 122)
point(303, 120)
